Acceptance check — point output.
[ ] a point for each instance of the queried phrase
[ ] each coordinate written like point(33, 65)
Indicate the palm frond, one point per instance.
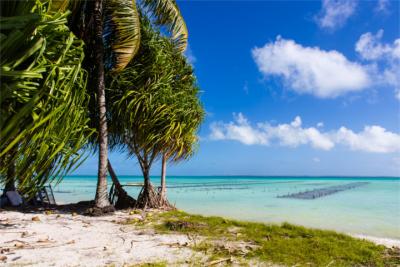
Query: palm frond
point(121, 33)
point(167, 13)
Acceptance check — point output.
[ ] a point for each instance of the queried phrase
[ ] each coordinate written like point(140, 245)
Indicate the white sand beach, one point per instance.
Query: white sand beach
point(69, 239)
point(76, 240)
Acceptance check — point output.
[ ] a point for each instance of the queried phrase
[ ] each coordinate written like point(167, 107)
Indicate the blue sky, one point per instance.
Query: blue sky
point(292, 88)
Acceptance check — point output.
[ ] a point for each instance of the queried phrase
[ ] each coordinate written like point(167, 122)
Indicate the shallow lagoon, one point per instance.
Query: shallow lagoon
point(372, 209)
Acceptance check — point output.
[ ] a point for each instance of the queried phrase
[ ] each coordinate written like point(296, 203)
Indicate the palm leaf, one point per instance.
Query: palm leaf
point(167, 13)
point(121, 33)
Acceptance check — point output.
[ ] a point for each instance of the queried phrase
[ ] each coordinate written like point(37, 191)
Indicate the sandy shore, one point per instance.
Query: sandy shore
point(380, 240)
point(76, 240)
point(69, 239)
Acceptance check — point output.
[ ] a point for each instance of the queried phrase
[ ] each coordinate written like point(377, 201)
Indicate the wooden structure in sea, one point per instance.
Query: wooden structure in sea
point(321, 192)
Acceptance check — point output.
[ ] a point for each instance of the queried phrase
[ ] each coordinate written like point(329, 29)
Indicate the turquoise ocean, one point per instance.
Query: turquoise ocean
point(372, 209)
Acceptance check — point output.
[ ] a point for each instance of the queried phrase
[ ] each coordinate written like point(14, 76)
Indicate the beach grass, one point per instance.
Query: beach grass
point(227, 240)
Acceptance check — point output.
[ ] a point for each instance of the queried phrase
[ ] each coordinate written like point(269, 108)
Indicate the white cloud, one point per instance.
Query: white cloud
point(189, 55)
point(320, 124)
point(397, 94)
point(240, 130)
point(310, 70)
point(385, 56)
point(293, 135)
point(335, 13)
point(370, 47)
point(372, 139)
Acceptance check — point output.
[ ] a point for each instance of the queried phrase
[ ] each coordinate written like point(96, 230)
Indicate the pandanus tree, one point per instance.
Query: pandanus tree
point(157, 110)
point(43, 119)
point(186, 117)
point(111, 31)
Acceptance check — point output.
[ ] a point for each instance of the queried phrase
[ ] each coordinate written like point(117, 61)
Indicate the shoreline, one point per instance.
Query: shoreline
point(67, 238)
point(385, 241)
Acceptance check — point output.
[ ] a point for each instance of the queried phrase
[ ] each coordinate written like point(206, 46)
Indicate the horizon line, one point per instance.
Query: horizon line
point(246, 175)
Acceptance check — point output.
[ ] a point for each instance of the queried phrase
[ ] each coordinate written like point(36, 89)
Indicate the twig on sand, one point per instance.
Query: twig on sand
point(16, 240)
point(218, 261)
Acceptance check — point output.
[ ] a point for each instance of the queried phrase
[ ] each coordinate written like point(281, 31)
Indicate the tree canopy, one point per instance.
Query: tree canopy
point(154, 103)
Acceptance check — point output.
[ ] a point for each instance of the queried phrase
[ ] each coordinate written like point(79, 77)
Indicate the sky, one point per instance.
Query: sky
point(291, 88)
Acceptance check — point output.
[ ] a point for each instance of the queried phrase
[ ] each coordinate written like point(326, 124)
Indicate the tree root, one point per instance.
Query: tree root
point(163, 203)
point(148, 198)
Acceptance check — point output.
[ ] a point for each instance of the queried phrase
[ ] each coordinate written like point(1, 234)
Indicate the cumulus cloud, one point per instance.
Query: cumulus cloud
point(385, 56)
point(310, 70)
point(239, 130)
point(293, 135)
point(371, 139)
point(370, 47)
point(335, 13)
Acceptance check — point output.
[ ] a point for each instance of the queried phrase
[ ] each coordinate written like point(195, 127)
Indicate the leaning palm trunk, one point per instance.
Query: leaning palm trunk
point(124, 201)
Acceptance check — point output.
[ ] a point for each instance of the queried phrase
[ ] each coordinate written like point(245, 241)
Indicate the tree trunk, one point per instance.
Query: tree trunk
point(163, 175)
point(124, 201)
point(148, 196)
point(162, 197)
point(101, 200)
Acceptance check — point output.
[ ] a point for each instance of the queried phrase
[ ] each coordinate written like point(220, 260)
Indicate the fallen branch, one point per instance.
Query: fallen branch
point(218, 261)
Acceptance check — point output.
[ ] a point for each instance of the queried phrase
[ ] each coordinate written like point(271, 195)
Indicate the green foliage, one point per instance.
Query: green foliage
point(154, 106)
point(121, 33)
point(43, 99)
point(121, 26)
point(283, 244)
point(166, 13)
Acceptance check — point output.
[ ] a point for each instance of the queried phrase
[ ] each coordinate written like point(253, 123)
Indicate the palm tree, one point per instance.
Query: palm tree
point(156, 97)
point(110, 29)
point(43, 123)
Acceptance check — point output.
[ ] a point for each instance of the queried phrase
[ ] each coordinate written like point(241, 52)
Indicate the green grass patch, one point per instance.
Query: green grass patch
point(283, 244)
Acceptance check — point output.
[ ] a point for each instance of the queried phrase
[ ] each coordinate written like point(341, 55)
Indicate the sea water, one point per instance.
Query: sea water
point(372, 209)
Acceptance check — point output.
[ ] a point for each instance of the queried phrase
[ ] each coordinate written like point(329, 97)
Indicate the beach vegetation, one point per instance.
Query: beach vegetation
point(111, 31)
point(50, 104)
point(284, 244)
point(156, 111)
point(43, 119)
